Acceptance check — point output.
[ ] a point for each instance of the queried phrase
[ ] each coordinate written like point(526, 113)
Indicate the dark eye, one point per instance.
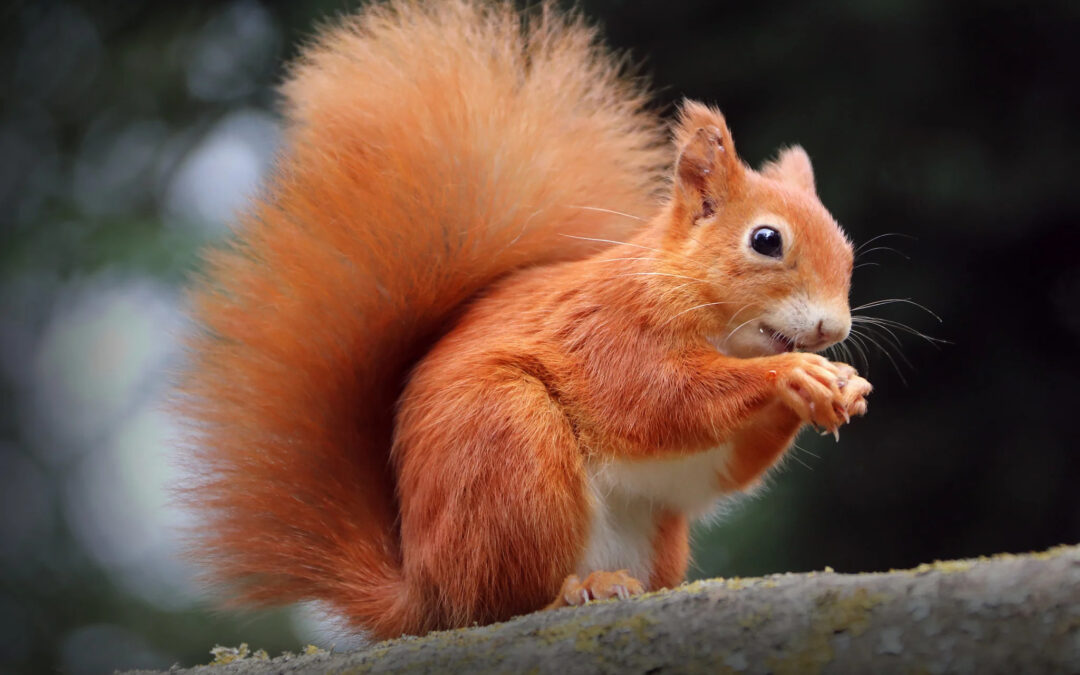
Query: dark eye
point(766, 241)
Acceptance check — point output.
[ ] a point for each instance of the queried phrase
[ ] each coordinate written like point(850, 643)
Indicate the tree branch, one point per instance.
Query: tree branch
point(1007, 614)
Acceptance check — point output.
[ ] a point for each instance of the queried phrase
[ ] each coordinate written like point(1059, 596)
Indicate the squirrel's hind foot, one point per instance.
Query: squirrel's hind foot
point(599, 585)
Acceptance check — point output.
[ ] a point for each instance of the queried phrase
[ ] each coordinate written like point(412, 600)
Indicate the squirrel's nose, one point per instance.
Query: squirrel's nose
point(831, 330)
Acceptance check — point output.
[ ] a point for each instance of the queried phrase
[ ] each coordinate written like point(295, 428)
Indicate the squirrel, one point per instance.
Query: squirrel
point(486, 341)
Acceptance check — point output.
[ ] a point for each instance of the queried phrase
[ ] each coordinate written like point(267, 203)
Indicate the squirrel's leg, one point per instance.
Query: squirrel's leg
point(671, 550)
point(670, 556)
point(759, 444)
point(493, 502)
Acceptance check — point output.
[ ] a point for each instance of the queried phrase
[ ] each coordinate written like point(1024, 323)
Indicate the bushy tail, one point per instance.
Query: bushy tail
point(430, 149)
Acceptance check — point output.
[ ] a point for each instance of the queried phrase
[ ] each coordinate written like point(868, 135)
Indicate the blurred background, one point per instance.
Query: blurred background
point(130, 132)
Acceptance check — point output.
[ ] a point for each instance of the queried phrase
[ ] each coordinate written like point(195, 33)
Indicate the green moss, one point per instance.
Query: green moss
point(835, 612)
point(225, 655)
point(952, 566)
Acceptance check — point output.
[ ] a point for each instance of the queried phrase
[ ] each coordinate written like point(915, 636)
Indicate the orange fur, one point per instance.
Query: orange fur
point(419, 344)
point(671, 548)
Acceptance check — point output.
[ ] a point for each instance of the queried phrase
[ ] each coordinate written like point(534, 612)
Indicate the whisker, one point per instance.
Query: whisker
point(855, 345)
point(615, 259)
point(797, 338)
point(744, 307)
point(892, 340)
point(877, 320)
point(884, 351)
point(724, 343)
point(841, 352)
point(609, 241)
point(707, 304)
point(895, 340)
point(660, 274)
point(795, 457)
point(871, 240)
point(611, 211)
point(627, 243)
point(521, 232)
point(889, 301)
point(888, 355)
point(859, 346)
point(866, 264)
point(885, 248)
point(804, 450)
point(846, 350)
point(864, 355)
point(885, 323)
point(676, 288)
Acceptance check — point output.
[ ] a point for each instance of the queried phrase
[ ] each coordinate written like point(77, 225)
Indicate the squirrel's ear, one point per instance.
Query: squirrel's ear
point(793, 167)
point(707, 168)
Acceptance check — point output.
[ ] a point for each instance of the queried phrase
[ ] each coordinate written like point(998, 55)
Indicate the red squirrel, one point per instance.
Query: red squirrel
point(485, 343)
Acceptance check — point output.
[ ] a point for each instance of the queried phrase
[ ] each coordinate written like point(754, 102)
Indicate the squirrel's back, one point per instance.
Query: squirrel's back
point(429, 150)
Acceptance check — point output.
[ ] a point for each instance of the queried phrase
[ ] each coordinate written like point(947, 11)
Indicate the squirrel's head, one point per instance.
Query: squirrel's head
point(776, 263)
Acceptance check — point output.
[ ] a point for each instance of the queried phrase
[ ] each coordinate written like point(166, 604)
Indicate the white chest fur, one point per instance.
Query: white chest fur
point(626, 497)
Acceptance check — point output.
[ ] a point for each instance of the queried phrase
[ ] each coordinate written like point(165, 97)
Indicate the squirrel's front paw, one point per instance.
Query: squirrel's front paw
point(822, 392)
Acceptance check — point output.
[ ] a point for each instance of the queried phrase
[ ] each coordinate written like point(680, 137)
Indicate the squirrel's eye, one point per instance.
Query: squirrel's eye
point(766, 241)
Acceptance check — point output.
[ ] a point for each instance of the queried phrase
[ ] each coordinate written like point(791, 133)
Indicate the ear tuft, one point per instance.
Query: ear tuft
point(694, 116)
point(793, 167)
point(699, 159)
point(707, 162)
